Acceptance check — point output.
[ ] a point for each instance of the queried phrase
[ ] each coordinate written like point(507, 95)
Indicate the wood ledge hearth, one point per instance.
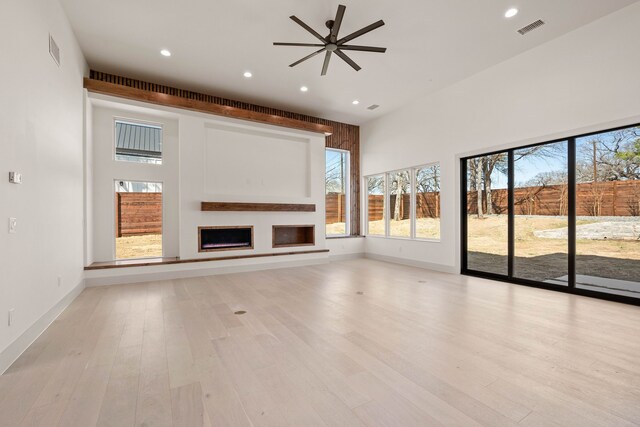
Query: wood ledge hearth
point(169, 261)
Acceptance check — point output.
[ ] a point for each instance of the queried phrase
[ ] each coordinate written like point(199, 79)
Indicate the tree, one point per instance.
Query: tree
point(611, 156)
point(335, 174)
point(399, 185)
point(428, 182)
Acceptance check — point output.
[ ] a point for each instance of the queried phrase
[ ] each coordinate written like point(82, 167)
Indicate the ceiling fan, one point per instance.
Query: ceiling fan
point(333, 44)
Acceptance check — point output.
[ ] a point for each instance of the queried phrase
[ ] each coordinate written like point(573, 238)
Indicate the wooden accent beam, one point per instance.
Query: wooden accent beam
point(256, 207)
point(165, 261)
point(121, 91)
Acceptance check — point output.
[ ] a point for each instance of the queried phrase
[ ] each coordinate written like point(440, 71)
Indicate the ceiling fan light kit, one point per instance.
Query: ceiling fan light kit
point(331, 44)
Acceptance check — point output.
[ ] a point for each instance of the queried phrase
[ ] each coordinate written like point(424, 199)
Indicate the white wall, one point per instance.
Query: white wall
point(41, 136)
point(198, 149)
point(106, 170)
point(586, 80)
point(200, 181)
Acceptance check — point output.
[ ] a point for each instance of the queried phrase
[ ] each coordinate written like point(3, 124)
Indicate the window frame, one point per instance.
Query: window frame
point(415, 193)
point(366, 204)
point(135, 122)
point(571, 287)
point(113, 217)
point(388, 204)
point(412, 211)
point(347, 195)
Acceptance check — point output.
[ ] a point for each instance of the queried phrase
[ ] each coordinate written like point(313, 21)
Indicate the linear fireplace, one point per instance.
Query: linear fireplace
point(225, 238)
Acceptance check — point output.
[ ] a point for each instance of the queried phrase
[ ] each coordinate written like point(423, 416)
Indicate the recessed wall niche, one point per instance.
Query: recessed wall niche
point(285, 236)
point(240, 162)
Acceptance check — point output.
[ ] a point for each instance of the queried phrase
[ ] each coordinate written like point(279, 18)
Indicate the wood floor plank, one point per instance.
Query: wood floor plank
point(186, 406)
point(352, 343)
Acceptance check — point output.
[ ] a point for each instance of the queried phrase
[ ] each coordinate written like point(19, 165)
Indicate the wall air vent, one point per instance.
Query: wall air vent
point(372, 107)
point(54, 50)
point(534, 25)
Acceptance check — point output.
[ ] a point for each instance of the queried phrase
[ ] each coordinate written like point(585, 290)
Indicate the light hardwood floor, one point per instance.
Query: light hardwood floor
point(355, 343)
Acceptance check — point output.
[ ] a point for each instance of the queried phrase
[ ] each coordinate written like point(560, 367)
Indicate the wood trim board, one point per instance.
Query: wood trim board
point(256, 207)
point(165, 261)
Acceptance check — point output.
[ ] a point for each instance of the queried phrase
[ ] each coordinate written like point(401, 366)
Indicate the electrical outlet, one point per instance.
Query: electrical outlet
point(13, 225)
point(11, 312)
point(59, 281)
point(15, 177)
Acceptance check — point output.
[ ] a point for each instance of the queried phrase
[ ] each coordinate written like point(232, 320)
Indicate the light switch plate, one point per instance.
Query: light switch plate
point(13, 225)
point(15, 177)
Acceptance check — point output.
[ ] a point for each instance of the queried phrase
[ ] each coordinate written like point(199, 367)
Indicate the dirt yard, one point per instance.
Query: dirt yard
point(426, 228)
point(149, 245)
point(543, 258)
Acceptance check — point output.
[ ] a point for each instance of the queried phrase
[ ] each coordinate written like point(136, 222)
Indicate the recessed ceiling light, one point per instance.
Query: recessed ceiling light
point(511, 13)
point(356, 102)
point(247, 74)
point(165, 52)
point(304, 89)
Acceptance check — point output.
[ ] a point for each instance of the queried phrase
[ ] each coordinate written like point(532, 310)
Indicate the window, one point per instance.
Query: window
point(427, 225)
point(399, 202)
point(139, 143)
point(608, 212)
point(562, 215)
point(138, 219)
point(392, 196)
point(485, 215)
point(541, 212)
point(337, 192)
point(375, 206)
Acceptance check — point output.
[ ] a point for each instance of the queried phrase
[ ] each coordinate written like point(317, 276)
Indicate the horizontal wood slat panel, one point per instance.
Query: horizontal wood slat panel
point(138, 214)
point(256, 207)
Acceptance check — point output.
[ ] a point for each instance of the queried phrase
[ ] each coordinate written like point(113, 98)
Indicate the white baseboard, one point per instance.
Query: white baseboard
point(16, 348)
point(346, 257)
point(414, 263)
point(118, 276)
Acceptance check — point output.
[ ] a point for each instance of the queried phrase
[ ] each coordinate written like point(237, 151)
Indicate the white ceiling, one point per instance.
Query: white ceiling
point(431, 44)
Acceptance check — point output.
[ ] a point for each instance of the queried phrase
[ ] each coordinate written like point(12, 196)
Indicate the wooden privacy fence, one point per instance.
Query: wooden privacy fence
point(427, 206)
point(335, 207)
point(611, 198)
point(138, 214)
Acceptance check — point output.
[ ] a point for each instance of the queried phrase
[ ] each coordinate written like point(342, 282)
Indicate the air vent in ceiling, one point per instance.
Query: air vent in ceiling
point(534, 25)
point(372, 107)
point(54, 50)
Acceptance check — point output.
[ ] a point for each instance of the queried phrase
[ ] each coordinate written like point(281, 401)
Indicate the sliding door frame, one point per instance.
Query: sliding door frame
point(571, 213)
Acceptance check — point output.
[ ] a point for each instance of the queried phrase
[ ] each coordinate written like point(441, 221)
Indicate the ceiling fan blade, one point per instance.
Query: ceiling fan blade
point(308, 28)
point(325, 65)
point(298, 44)
point(364, 48)
point(307, 57)
point(360, 32)
point(348, 60)
point(337, 23)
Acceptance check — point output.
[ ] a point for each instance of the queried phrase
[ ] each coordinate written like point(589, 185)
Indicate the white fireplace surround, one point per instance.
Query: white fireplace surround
point(207, 158)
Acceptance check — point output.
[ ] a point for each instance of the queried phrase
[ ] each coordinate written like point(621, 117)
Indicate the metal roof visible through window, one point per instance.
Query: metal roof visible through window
point(138, 140)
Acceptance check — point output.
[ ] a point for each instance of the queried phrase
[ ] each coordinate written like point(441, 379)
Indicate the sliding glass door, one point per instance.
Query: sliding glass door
point(486, 214)
point(540, 214)
point(608, 210)
point(561, 215)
